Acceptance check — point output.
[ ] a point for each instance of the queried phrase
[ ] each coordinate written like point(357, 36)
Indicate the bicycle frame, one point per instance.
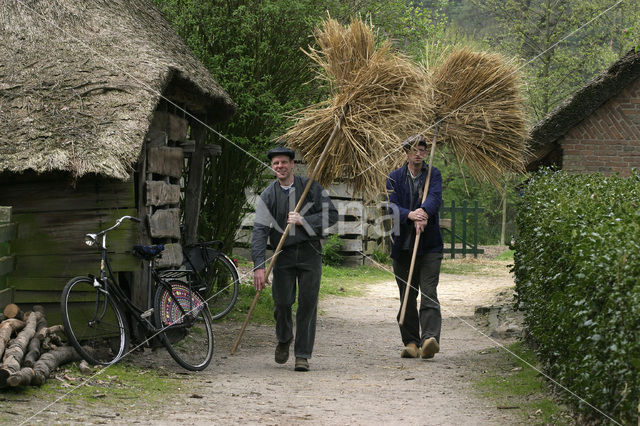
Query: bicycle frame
point(108, 285)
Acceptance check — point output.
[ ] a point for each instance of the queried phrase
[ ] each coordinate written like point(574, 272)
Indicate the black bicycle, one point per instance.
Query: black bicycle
point(212, 274)
point(93, 318)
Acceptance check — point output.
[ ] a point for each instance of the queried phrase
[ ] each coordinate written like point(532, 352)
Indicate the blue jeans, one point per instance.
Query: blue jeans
point(417, 327)
point(298, 265)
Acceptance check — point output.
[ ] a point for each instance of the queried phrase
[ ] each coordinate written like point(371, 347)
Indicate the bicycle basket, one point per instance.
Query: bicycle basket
point(170, 312)
point(197, 258)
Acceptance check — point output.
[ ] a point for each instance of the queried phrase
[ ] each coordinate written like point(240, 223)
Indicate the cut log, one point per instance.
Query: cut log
point(24, 377)
point(50, 331)
point(13, 311)
point(35, 345)
point(12, 360)
point(7, 328)
point(85, 368)
point(52, 360)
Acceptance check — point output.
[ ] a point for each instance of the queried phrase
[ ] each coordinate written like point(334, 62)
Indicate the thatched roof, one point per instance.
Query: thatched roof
point(584, 102)
point(80, 80)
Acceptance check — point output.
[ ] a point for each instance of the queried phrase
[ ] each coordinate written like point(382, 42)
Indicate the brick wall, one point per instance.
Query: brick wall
point(607, 141)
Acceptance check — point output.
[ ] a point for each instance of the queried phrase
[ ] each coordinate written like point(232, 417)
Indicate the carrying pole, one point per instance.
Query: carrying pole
point(276, 253)
point(403, 309)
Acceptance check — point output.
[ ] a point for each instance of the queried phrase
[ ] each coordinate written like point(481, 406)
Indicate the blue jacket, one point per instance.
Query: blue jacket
point(400, 206)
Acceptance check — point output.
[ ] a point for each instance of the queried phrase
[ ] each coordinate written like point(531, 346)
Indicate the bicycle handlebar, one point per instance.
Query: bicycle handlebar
point(118, 223)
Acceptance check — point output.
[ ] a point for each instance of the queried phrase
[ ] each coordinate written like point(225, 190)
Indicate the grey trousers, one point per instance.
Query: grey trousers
point(299, 265)
point(417, 327)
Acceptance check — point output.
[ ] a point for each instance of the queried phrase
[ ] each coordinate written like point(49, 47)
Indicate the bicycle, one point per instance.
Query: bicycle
point(93, 319)
point(212, 274)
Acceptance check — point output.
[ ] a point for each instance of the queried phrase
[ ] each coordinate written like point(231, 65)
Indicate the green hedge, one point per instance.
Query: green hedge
point(577, 272)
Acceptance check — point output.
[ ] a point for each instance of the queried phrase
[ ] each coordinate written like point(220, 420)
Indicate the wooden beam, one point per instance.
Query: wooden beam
point(193, 192)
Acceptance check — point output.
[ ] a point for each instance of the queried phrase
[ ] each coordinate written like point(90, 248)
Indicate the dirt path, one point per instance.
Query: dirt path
point(357, 375)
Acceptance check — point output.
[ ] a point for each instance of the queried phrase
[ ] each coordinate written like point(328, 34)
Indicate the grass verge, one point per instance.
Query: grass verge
point(511, 384)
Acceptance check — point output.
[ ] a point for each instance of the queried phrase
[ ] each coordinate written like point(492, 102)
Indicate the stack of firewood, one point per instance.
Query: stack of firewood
point(30, 350)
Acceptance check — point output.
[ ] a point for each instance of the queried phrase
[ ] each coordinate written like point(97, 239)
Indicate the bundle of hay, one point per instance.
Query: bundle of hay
point(387, 98)
point(480, 112)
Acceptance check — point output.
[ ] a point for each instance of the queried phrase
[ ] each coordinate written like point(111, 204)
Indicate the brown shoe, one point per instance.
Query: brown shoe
point(282, 351)
point(429, 348)
point(302, 364)
point(410, 351)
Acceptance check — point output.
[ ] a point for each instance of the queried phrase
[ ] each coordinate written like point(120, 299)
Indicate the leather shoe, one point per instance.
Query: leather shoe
point(282, 351)
point(410, 351)
point(429, 348)
point(302, 364)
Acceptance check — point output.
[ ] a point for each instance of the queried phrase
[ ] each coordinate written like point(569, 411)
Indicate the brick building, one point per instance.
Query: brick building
point(597, 129)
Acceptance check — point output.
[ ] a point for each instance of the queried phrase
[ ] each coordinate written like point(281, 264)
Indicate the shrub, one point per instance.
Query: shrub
point(331, 251)
point(381, 257)
point(577, 273)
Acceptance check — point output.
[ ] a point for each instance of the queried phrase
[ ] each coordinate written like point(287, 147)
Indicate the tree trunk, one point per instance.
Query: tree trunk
point(52, 360)
point(15, 351)
point(7, 328)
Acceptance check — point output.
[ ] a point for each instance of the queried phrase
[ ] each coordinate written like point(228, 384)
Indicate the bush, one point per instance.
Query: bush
point(331, 251)
point(577, 273)
point(381, 257)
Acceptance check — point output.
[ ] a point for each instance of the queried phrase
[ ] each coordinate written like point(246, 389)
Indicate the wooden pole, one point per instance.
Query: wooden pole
point(425, 192)
point(276, 253)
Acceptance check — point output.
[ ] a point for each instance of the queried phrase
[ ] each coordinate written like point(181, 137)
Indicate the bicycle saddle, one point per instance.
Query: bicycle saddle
point(147, 252)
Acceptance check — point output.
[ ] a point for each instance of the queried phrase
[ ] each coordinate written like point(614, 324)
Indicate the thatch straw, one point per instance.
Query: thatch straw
point(80, 81)
point(481, 112)
point(387, 98)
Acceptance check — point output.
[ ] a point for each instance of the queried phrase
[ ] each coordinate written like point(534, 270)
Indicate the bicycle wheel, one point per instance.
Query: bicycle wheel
point(221, 289)
point(186, 324)
point(93, 322)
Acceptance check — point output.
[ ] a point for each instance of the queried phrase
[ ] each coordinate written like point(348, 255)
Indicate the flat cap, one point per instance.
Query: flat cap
point(414, 140)
point(281, 150)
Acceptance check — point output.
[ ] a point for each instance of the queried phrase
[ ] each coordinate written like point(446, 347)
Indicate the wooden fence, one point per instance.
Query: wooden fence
point(7, 233)
point(465, 240)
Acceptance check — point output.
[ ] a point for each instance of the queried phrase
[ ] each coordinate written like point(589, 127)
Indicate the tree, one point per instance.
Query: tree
point(252, 48)
point(560, 42)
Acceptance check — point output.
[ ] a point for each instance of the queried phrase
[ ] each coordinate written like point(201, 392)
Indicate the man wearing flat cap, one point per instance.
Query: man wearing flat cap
point(420, 330)
point(300, 262)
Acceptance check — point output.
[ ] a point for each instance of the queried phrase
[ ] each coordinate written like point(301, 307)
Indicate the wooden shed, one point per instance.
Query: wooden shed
point(597, 129)
point(104, 111)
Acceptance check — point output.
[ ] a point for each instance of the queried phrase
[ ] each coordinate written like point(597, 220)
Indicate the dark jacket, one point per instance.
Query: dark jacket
point(270, 222)
point(400, 205)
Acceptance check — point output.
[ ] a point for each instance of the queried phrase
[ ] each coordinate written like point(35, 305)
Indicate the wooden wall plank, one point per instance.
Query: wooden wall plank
point(165, 223)
point(165, 160)
point(161, 194)
point(63, 232)
point(6, 297)
point(6, 264)
point(30, 193)
point(171, 256)
point(65, 266)
point(7, 232)
point(174, 126)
